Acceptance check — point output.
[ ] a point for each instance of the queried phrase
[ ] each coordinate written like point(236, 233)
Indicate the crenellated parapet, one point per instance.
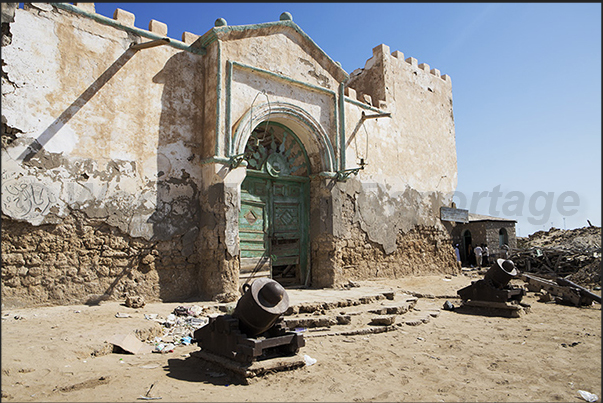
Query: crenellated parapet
point(368, 85)
point(126, 19)
point(423, 66)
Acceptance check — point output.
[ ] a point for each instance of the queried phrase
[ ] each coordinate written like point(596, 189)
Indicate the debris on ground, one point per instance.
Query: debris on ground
point(589, 397)
point(560, 290)
point(130, 343)
point(572, 254)
point(135, 301)
point(309, 360)
point(178, 327)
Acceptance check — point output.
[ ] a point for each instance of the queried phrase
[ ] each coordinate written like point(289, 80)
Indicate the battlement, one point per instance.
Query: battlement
point(383, 50)
point(124, 19)
point(368, 84)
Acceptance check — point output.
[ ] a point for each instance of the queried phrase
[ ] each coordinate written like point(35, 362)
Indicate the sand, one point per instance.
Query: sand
point(546, 355)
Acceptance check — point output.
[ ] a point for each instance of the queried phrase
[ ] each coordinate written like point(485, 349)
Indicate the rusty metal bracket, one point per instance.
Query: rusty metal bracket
point(379, 115)
point(150, 44)
point(344, 174)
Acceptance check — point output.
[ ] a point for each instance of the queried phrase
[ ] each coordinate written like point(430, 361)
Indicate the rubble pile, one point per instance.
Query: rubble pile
point(572, 254)
point(178, 327)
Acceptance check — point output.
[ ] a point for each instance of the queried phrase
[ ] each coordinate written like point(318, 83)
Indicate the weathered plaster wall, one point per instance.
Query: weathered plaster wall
point(97, 131)
point(366, 233)
point(388, 223)
point(416, 147)
point(115, 161)
point(275, 65)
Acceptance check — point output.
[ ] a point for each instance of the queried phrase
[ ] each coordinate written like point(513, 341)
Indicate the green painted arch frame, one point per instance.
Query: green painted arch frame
point(300, 123)
point(292, 134)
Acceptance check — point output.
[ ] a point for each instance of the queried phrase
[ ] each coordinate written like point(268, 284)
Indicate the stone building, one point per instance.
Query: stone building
point(482, 229)
point(135, 163)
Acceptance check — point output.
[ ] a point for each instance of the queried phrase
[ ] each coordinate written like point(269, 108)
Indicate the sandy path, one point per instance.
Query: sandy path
point(546, 355)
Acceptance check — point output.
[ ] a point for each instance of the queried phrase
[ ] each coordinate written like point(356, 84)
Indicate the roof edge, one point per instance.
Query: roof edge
point(222, 32)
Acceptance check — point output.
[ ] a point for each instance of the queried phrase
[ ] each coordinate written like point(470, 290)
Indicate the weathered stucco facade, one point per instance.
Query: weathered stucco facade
point(171, 171)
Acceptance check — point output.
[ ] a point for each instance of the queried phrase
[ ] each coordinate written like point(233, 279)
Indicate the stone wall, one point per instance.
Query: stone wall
point(375, 236)
point(85, 261)
point(485, 231)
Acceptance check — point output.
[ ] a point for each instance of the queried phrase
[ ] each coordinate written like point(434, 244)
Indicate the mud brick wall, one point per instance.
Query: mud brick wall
point(420, 251)
point(80, 261)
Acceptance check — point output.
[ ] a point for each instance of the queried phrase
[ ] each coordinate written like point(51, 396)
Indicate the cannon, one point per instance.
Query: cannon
point(255, 330)
point(494, 292)
point(494, 286)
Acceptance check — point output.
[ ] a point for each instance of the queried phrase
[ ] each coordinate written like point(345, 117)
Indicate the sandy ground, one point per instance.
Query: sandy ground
point(546, 355)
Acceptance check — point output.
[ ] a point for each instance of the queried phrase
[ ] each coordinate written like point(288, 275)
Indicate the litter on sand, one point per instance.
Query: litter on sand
point(309, 360)
point(589, 397)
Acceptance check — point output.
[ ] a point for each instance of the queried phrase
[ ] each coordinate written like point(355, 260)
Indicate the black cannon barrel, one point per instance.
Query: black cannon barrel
point(260, 306)
point(501, 272)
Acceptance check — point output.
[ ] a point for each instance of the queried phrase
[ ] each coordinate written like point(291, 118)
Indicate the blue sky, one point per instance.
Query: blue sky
point(526, 82)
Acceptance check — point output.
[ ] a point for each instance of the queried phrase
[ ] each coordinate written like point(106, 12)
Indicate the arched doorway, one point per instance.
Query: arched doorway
point(466, 245)
point(274, 214)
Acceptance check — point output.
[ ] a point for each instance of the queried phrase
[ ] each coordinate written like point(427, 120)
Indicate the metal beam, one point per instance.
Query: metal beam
point(379, 115)
point(150, 44)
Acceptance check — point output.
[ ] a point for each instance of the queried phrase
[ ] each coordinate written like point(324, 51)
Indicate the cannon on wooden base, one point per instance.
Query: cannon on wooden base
point(493, 292)
point(255, 331)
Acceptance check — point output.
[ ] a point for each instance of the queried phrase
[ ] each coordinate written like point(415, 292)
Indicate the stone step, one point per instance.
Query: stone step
point(372, 315)
point(311, 307)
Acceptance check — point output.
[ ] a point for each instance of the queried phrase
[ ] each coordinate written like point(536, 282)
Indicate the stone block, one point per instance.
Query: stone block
point(446, 78)
point(89, 7)
point(435, 72)
point(383, 320)
point(123, 16)
point(148, 259)
point(13, 259)
point(9, 271)
point(398, 55)
point(412, 61)
point(189, 38)
point(35, 271)
point(381, 50)
point(350, 92)
point(389, 295)
point(424, 66)
point(12, 282)
point(158, 27)
point(343, 319)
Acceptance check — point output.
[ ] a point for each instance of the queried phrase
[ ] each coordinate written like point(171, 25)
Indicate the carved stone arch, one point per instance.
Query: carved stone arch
point(306, 128)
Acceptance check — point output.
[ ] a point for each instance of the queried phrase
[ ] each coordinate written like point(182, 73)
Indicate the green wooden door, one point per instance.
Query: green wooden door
point(288, 230)
point(274, 216)
point(253, 229)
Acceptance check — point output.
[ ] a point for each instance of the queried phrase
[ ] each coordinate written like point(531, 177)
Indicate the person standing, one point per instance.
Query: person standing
point(504, 251)
point(485, 255)
point(457, 252)
point(478, 255)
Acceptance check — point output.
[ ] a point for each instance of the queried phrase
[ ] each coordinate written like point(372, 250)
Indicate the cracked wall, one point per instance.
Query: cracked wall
point(97, 134)
point(385, 219)
point(115, 170)
point(367, 232)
